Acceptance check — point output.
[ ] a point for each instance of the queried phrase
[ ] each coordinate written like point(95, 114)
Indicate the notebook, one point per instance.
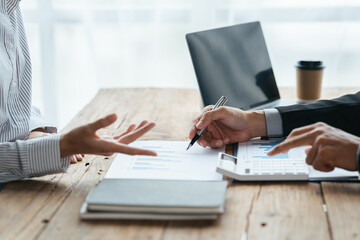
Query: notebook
point(155, 199)
point(91, 215)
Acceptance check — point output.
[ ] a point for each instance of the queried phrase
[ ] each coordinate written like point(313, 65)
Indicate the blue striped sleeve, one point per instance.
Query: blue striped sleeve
point(31, 158)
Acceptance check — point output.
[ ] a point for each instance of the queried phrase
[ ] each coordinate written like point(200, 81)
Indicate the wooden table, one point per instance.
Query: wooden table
point(48, 207)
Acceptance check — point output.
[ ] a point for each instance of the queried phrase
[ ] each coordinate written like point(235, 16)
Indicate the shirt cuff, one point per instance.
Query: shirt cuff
point(37, 121)
point(273, 123)
point(41, 156)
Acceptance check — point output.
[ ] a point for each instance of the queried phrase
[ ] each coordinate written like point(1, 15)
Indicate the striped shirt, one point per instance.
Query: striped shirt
point(19, 156)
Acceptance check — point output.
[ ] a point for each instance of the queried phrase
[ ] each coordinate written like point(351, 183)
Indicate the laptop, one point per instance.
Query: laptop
point(234, 62)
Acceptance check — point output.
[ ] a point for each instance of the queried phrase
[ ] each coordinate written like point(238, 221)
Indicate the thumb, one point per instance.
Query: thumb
point(210, 116)
point(103, 122)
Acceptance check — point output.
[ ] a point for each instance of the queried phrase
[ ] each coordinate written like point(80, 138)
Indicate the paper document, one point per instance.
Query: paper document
point(257, 149)
point(172, 162)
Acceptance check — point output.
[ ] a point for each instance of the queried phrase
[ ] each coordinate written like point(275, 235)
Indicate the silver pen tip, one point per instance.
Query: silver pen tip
point(188, 147)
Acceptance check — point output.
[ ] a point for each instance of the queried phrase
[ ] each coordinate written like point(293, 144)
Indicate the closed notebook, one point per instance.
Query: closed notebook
point(158, 196)
point(93, 215)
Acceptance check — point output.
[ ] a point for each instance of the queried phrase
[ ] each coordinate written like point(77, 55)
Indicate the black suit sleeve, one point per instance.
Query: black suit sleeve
point(342, 112)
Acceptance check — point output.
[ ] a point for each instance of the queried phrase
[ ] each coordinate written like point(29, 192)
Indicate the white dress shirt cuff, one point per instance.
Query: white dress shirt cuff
point(37, 121)
point(273, 123)
point(41, 156)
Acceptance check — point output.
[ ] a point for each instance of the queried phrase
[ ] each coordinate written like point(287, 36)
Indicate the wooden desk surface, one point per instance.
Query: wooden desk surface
point(48, 207)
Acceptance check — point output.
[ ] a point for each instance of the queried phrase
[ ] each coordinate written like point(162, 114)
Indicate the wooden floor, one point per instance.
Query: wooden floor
point(48, 207)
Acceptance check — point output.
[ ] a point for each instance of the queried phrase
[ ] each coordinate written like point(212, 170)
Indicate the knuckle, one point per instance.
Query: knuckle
point(289, 141)
point(330, 164)
point(320, 124)
point(317, 165)
point(222, 109)
point(294, 131)
point(206, 115)
point(321, 140)
point(318, 141)
point(208, 107)
point(322, 152)
point(319, 130)
point(325, 152)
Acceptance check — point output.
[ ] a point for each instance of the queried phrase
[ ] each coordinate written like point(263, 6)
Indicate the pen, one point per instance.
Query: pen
point(219, 103)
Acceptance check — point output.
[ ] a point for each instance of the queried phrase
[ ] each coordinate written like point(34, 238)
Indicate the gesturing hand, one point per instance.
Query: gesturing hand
point(84, 139)
point(330, 147)
point(37, 133)
point(227, 125)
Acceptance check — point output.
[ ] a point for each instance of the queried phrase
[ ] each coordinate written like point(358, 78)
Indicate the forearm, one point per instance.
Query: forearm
point(31, 158)
point(342, 113)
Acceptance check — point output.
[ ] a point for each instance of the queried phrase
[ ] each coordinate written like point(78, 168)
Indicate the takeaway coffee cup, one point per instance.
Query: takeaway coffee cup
point(309, 78)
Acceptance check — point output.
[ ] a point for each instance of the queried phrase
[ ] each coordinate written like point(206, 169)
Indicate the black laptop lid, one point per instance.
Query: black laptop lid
point(234, 62)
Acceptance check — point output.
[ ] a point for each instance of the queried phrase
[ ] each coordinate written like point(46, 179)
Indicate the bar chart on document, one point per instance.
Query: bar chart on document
point(173, 162)
point(167, 159)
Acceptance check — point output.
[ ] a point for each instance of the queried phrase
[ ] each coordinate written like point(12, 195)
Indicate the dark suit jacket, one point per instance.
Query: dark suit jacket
point(342, 112)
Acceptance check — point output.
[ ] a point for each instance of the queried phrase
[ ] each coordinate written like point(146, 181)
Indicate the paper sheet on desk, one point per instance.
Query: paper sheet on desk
point(172, 162)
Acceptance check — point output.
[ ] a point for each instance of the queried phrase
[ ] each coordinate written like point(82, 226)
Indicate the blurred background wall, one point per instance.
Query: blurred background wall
point(78, 47)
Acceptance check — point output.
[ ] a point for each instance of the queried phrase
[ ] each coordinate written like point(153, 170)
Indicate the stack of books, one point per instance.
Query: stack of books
point(155, 199)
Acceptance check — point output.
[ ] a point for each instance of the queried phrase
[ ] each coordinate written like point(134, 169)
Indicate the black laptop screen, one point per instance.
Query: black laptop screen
point(234, 62)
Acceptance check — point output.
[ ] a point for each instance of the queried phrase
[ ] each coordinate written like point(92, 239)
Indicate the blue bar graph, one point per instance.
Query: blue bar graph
point(148, 165)
point(164, 151)
point(152, 147)
point(155, 159)
point(142, 163)
point(148, 168)
point(267, 146)
point(279, 156)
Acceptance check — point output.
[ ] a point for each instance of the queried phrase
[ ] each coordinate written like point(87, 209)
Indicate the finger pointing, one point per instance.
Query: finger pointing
point(301, 140)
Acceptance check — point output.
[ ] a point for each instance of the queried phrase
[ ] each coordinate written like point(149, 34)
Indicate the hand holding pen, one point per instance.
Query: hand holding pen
point(226, 125)
point(220, 102)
